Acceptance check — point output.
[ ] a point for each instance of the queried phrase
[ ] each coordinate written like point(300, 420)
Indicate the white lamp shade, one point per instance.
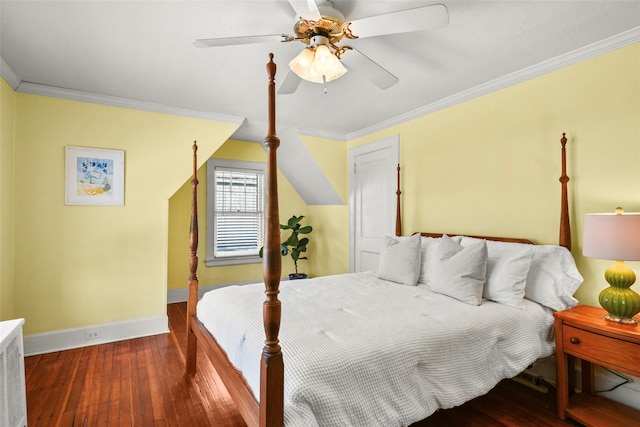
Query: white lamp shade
point(612, 236)
point(304, 66)
point(336, 71)
point(324, 61)
point(301, 64)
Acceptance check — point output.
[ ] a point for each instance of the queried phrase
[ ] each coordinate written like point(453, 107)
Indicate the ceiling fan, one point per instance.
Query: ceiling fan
point(322, 28)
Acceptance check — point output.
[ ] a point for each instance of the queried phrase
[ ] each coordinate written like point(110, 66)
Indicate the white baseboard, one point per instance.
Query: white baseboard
point(181, 295)
point(97, 334)
point(628, 393)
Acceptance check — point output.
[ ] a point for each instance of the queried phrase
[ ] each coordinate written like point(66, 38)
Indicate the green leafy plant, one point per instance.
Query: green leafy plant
point(294, 245)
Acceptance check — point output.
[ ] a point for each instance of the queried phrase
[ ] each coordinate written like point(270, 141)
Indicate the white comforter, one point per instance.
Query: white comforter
point(360, 351)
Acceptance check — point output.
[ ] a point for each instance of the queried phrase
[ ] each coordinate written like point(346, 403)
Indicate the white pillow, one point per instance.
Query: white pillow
point(460, 271)
point(553, 277)
point(427, 246)
point(427, 258)
point(400, 260)
point(507, 267)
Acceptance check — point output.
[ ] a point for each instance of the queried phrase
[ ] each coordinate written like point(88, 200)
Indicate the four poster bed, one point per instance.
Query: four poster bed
point(382, 348)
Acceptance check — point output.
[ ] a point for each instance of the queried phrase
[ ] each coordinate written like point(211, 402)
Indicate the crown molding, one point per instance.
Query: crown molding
point(582, 54)
point(8, 74)
point(603, 46)
point(114, 101)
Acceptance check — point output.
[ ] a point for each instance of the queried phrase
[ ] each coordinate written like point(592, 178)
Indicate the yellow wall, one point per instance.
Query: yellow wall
point(326, 221)
point(330, 252)
point(490, 166)
point(82, 265)
point(7, 102)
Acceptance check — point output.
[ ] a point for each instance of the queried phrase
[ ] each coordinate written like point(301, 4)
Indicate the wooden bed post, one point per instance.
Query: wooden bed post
point(398, 216)
point(565, 227)
point(272, 367)
point(192, 341)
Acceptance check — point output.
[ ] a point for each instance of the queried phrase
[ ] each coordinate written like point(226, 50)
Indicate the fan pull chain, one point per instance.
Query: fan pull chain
point(324, 80)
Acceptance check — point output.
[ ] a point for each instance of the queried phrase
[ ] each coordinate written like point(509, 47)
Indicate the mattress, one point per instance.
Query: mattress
point(361, 351)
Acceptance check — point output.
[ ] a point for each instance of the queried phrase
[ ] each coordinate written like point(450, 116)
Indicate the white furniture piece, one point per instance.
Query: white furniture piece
point(13, 400)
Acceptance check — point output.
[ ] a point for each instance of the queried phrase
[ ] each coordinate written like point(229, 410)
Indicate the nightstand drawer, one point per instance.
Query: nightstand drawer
point(601, 349)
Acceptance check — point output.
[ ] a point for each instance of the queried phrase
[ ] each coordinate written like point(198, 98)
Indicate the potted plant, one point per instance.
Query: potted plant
point(295, 245)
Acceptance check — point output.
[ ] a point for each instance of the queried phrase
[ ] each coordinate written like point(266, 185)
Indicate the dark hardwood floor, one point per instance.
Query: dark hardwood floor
point(142, 382)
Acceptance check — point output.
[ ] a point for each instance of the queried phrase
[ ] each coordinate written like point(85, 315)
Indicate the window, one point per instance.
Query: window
point(235, 211)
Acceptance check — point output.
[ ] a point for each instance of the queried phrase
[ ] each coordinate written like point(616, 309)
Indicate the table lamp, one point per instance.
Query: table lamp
point(615, 236)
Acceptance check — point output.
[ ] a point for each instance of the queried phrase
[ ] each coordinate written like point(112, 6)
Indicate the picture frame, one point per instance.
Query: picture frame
point(94, 176)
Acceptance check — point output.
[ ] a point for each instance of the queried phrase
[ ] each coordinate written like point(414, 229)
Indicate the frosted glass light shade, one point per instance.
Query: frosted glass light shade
point(304, 65)
point(324, 60)
point(337, 70)
point(301, 64)
point(612, 236)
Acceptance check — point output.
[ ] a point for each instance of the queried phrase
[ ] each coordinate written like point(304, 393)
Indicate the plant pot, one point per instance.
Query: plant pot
point(297, 276)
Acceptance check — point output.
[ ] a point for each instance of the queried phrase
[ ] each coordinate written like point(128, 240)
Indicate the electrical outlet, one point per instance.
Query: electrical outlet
point(92, 334)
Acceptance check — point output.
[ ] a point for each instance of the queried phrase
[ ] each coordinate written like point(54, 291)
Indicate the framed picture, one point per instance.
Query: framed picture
point(94, 176)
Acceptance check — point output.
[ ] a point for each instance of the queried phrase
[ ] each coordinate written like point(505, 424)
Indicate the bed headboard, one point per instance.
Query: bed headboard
point(494, 238)
point(565, 225)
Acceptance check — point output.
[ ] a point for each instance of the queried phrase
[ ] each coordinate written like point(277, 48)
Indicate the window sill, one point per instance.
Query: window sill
point(217, 262)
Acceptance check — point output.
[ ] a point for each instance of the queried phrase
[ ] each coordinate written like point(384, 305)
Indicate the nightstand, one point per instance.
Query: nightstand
point(583, 332)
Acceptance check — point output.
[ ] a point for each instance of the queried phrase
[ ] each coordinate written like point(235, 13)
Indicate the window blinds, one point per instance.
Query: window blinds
point(239, 204)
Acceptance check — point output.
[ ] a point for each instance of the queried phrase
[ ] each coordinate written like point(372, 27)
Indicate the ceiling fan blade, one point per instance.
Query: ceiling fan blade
point(289, 84)
point(307, 9)
point(233, 41)
point(361, 64)
point(404, 21)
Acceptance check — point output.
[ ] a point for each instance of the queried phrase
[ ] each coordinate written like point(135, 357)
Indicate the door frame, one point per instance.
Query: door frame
point(392, 142)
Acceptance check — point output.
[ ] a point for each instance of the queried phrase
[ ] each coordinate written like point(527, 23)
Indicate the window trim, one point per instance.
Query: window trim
point(211, 260)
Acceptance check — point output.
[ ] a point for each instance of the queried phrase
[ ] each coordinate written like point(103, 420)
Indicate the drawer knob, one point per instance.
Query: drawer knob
point(574, 340)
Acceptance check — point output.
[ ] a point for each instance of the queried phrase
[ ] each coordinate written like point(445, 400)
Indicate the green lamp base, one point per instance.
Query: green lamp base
point(620, 302)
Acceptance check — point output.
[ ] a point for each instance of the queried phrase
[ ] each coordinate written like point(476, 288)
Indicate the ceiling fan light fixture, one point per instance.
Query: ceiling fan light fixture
point(337, 70)
point(302, 63)
point(315, 62)
point(322, 28)
point(324, 60)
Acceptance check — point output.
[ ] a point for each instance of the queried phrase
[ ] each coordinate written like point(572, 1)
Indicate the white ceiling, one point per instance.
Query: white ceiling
point(142, 52)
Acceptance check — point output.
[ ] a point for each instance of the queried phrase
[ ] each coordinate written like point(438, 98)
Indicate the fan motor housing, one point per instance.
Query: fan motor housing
point(329, 26)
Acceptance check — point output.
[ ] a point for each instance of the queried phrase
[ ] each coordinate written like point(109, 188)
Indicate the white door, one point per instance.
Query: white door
point(372, 200)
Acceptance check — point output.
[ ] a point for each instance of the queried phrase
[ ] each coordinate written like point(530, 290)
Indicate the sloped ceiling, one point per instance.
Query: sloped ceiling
point(142, 51)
